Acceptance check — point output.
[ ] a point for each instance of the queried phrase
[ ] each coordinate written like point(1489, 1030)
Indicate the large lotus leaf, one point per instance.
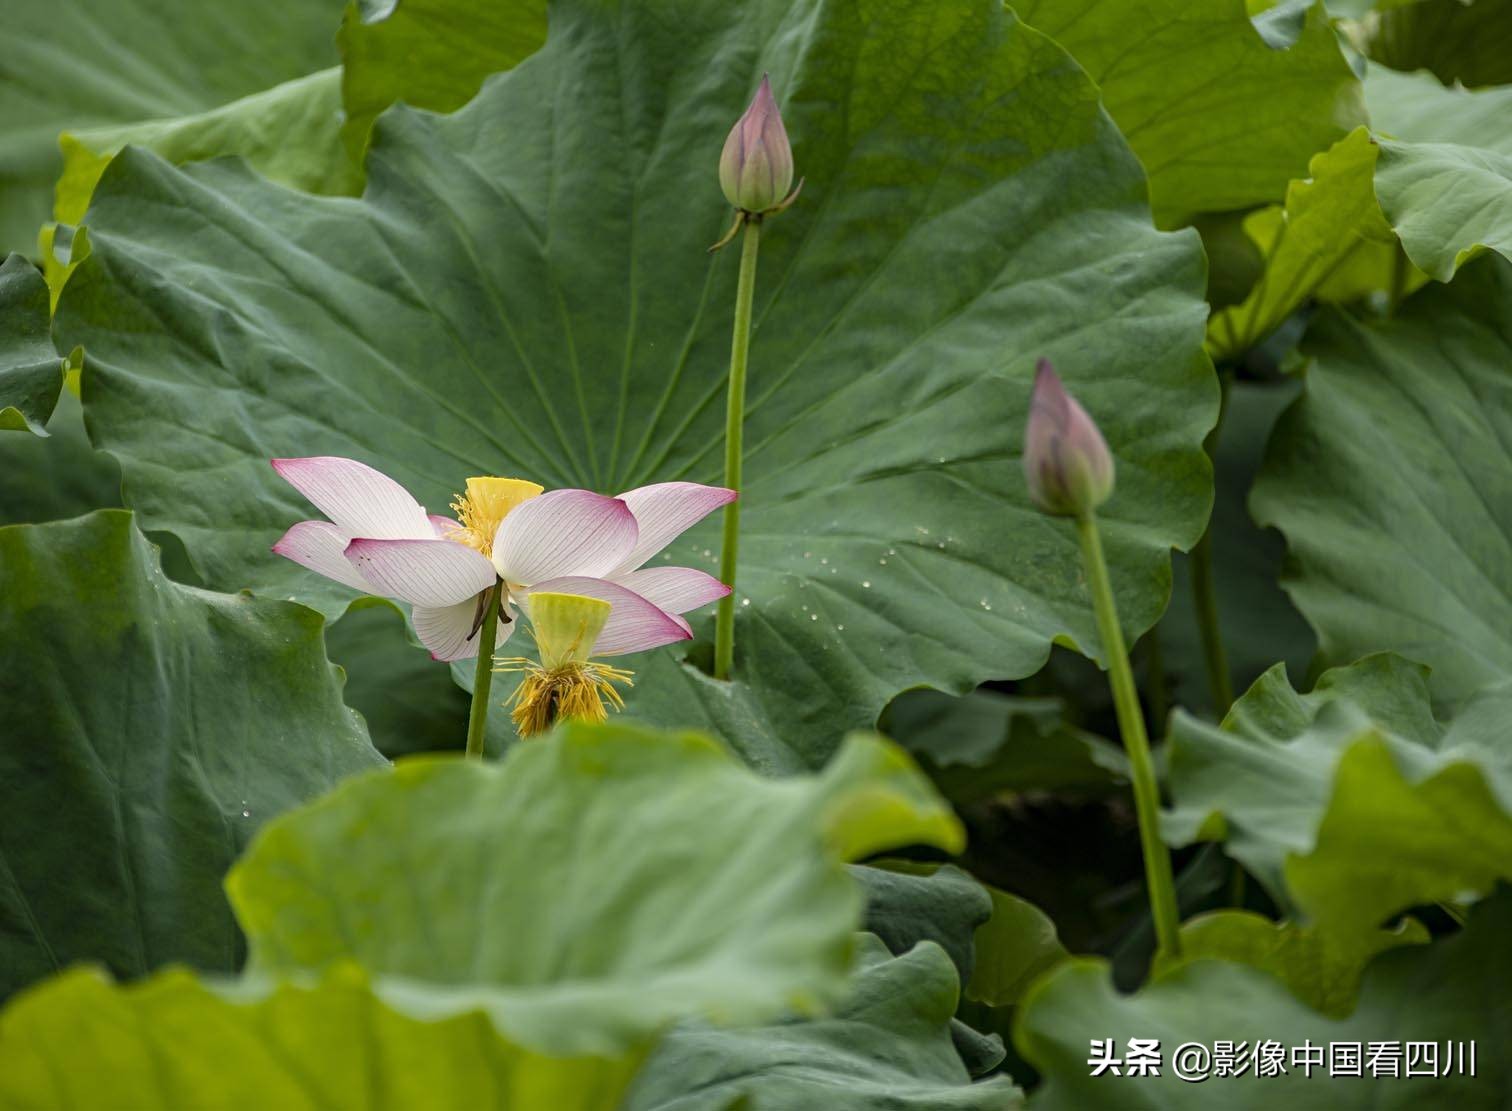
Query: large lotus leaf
point(886, 1046)
point(61, 475)
point(31, 373)
point(1351, 803)
point(83, 64)
point(429, 54)
point(1014, 947)
point(150, 729)
point(1454, 991)
point(172, 1043)
point(291, 133)
point(1392, 482)
point(1221, 116)
point(1468, 41)
point(589, 888)
point(527, 292)
point(1258, 622)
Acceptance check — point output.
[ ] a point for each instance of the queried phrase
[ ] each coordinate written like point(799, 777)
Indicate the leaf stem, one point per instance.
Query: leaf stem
point(740, 344)
point(1158, 876)
point(1205, 586)
point(488, 631)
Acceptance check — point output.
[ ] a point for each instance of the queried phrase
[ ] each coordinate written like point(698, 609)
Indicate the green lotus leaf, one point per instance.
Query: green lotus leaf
point(1452, 991)
point(1321, 968)
point(1329, 240)
point(173, 1043)
point(1465, 41)
point(290, 133)
point(1221, 113)
point(908, 902)
point(1389, 479)
point(31, 373)
point(472, 315)
point(609, 880)
point(79, 64)
point(150, 730)
point(887, 1045)
point(410, 705)
point(431, 54)
point(1445, 176)
point(57, 476)
point(1352, 803)
point(1014, 947)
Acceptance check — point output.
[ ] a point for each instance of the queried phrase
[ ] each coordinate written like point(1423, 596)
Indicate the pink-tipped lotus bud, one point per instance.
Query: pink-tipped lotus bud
point(756, 168)
point(1066, 461)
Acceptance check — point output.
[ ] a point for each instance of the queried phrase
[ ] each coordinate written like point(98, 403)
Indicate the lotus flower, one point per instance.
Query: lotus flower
point(1066, 460)
point(380, 540)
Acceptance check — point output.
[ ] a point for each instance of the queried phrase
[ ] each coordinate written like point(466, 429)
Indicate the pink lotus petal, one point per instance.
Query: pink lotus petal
point(445, 630)
point(444, 526)
point(675, 589)
point(563, 532)
point(434, 573)
point(666, 510)
point(360, 500)
point(321, 546)
point(634, 624)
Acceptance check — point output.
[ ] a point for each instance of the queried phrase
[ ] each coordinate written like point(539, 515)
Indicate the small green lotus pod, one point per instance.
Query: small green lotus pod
point(756, 168)
point(1066, 460)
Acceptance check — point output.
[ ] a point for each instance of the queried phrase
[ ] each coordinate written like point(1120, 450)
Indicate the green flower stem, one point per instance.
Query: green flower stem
point(477, 716)
point(740, 345)
point(1205, 589)
point(1157, 861)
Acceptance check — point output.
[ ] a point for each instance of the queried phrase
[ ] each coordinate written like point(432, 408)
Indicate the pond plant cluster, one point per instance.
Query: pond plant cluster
point(801, 554)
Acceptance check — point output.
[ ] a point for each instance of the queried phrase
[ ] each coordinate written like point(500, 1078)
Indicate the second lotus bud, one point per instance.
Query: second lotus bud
point(1066, 460)
point(756, 168)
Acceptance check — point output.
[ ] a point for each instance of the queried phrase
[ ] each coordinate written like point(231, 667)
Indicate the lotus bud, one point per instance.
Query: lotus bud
point(1066, 460)
point(756, 168)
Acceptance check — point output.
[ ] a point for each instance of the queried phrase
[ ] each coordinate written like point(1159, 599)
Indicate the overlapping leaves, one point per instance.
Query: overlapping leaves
point(526, 291)
point(150, 729)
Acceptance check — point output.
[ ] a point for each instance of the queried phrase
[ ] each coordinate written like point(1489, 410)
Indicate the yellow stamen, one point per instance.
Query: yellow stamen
point(574, 691)
point(483, 508)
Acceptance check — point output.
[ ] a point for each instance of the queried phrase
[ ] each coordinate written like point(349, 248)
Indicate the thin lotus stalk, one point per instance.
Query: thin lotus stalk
point(729, 552)
point(488, 629)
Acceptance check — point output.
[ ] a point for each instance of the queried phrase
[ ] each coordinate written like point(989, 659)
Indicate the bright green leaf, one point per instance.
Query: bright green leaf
point(290, 133)
point(970, 210)
point(1351, 803)
point(150, 730)
point(172, 1043)
point(78, 64)
point(1321, 968)
point(31, 373)
point(1391, 479)
point(1014, 947)
point(1453, 991)
point(1330, 239)
point(689, 884)
point(886, 1046)
point(1220, 117)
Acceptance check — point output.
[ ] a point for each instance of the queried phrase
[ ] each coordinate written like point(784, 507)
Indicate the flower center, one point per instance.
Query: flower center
point(574, 691)
point(483, 508)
